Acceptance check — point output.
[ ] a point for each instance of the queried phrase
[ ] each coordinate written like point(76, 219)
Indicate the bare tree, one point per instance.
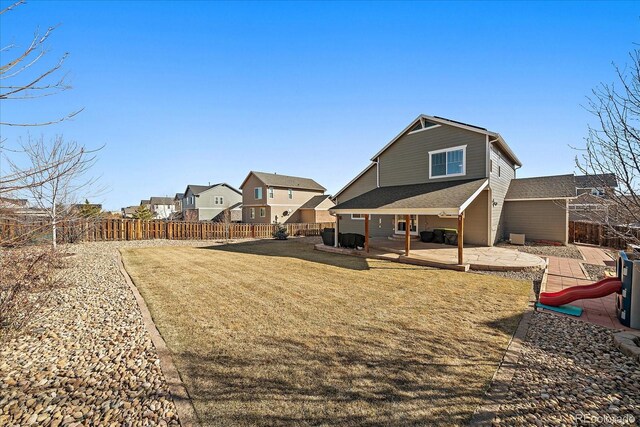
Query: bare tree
point(24, 77)
point(57, 189)
point(613, 146)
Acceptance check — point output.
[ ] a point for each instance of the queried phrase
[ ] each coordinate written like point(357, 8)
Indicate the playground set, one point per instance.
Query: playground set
point(626, 284)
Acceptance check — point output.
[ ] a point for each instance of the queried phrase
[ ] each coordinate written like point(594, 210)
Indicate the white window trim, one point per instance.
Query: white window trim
point(254, 193)
point(271, 192)
point(290, 193)
point(263, 212)
point(402, 218)
point(423, 129)
point(252, 213)
point(356, 218)
point(446, 150)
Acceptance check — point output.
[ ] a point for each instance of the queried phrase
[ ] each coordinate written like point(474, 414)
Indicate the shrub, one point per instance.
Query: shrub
point(281, 232)
point(28, 277)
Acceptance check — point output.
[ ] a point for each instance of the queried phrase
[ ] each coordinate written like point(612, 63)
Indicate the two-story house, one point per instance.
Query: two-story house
point(162, 207)
point(270, 197)
point(440, 173)
point(206, 202)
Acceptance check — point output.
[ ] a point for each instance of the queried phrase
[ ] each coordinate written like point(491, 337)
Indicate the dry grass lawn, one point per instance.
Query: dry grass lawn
point(275, 333)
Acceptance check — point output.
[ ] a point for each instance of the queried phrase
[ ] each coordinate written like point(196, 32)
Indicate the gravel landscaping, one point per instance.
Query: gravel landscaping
point(570, 373)
point(597, 272)
point(529, 275)
point(89, 360)
point(568, 251)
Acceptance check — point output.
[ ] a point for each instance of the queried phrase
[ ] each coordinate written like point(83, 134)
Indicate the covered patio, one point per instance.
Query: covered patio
point(438, 199)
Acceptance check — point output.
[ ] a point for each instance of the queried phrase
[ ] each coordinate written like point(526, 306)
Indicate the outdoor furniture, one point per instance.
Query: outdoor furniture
point(329, 236)
point(427, 236)
point(351, 240)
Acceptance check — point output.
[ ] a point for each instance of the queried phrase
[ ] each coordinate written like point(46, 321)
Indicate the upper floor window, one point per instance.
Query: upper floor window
point(448, 162)
point(597, 191)
point(271, 192)
point(257, 192)
point(218, 200)
point(290, 193)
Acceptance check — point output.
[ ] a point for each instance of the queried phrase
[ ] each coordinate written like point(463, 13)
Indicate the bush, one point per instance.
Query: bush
point(281, 232)
point(28, 277)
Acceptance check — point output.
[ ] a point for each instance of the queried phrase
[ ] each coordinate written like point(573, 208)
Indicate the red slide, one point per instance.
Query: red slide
point(595, 290)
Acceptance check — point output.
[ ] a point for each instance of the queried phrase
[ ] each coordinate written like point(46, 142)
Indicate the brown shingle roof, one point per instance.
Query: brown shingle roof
point(435, 195)
point(542, 187)
point(161, 201)
point(313, 202)
point(286, 181)
point(596, 180)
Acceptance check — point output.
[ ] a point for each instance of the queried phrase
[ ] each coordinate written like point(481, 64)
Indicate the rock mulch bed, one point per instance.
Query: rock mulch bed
point(570, 373)
point(528, 274)
point(568, 251)
point(597, 272)
point(89, 360)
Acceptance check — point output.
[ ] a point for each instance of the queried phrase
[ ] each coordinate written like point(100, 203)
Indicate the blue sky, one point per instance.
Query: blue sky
point(204, 92)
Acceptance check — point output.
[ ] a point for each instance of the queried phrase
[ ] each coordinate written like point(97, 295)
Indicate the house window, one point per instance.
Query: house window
point(257, 192)
point(215, 201)
point(290, 193)
point(253, 213)
point(357, 216)
point(263, 212)
point(271, 193)
point(448, 162)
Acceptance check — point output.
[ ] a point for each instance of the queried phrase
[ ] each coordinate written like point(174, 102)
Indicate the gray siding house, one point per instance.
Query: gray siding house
point(206, 202)
point(440, 173)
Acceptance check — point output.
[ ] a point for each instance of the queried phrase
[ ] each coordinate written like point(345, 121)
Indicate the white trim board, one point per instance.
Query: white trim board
point(538, 199)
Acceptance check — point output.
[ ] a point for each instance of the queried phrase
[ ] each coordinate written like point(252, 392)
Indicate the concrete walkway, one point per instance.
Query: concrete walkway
point(567, 272)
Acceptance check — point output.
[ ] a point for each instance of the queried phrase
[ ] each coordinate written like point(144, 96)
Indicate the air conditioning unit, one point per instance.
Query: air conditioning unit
point(516, 239)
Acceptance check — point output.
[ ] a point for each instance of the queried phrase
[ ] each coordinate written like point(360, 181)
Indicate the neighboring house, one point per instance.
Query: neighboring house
point(129, 211)
point(146, 203)
point(447, 174)
point(10, 203)
point(602, 185)
point(177, 202)
point(162, 207)
point(235, 212)
point(205, 202)
point(270, 197)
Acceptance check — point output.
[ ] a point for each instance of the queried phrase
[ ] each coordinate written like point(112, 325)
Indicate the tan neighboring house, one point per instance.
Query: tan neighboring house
point(270, 197)
point(206, 202)
point(440, 173)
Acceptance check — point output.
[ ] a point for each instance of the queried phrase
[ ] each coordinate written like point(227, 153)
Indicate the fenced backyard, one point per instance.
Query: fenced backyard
point(599, 234)
point(112, 229)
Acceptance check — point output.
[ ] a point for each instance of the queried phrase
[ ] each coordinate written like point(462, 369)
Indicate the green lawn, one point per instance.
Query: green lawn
point(276, 333)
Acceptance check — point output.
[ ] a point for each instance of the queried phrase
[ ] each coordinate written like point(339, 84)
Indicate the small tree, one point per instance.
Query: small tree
point(143, 212)
point(613, 145)
point(58, 177)
point(281, 232)
point(89, 210)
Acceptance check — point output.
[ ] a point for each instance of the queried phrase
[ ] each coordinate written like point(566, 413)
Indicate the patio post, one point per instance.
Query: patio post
point(460, 237)
point(366, 232)
point(407, 237)
point(335, 229)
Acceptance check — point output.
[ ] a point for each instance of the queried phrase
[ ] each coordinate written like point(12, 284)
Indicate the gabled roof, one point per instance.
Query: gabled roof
point(313, 202)
point(443, 197)
point(285, 181)
point(178, 196)
point(542, 187)
point(596, 180)
point(197, 189)
point(497, 139)
point(161, 200)
point(144, 202)
point(365, 170)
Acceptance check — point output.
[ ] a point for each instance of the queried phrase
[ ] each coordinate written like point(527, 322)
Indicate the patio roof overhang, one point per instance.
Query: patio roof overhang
point(448, 198)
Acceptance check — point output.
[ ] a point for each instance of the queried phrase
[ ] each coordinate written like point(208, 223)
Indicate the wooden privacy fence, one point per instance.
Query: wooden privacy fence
point(600, 234)
point(112, 229)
